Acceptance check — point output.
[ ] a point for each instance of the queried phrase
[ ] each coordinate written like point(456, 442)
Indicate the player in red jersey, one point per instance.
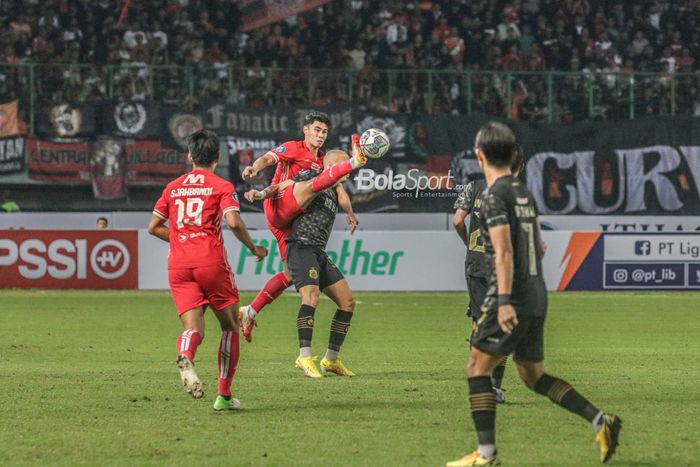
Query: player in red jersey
point(198, 271)
point(291, 158)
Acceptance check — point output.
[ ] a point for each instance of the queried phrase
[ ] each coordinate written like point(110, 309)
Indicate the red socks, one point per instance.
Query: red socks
point(272, 289)
point(228, 361)
point(188, 342)
point(329, 177)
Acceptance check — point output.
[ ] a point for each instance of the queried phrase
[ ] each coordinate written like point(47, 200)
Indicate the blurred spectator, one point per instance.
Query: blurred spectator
point(7, 204)
point(361, 37)
point(102, 223)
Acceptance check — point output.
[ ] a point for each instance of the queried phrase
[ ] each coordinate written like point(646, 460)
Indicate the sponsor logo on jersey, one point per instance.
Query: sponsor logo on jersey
point(235, 196)
point(280, 149)
point(194, 179)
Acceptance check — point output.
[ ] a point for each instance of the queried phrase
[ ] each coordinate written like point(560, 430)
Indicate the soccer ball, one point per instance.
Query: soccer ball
point(374, 143)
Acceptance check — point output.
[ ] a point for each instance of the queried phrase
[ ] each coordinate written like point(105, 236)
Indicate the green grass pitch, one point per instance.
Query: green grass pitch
point(88, 378)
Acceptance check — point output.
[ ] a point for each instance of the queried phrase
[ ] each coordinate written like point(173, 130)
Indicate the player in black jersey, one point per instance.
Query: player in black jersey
point(475, 265)
point(516, 304)
point(312, 270)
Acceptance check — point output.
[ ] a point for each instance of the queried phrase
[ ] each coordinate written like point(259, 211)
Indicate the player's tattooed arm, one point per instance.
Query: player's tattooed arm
point(461, 208)
point(460, 227)
point(269, 192)
point(157, 228)
point(260, 163)
point(346, 205)
point(503, 259)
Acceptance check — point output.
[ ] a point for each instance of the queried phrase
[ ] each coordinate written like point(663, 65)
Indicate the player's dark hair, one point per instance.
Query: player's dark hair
point(316, 116)
point(203, 146)
point(102, 219)
point(497, 141)
point(517, 167)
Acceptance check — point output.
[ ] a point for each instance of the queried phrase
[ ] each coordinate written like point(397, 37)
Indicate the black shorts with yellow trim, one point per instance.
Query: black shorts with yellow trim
point(311, 266)
point(525, 341)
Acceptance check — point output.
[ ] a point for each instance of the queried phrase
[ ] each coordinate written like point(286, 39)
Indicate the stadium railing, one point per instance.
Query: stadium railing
point(548, 96)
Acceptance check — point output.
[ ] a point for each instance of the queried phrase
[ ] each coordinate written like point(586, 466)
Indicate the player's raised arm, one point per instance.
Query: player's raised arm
point(346, 205)
point(266, 160)
point(236, 224)
point(269, 192)
point(462, 210)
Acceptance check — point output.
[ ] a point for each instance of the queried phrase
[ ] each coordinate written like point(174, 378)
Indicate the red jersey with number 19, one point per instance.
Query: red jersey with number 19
point(194, 205)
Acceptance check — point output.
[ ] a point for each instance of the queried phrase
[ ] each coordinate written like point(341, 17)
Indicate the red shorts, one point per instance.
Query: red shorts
point(280, 212)
point(202, 286)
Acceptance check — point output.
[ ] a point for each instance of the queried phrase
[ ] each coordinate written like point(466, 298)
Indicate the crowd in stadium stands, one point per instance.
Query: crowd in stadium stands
point(356, 40)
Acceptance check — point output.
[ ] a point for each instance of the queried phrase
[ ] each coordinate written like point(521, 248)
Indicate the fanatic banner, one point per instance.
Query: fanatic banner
point(12, 154)
point(65, 122)
point(150, 163)
point(132, 119)
point(108, 168)
point(51, 161)
point(641, 167)
point(9, 121)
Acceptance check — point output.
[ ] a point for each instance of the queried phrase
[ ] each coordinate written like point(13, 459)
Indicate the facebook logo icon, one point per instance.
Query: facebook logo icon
point(642, 248)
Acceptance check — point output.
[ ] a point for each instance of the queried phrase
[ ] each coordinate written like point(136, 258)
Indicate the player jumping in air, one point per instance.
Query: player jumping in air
point(198, 271)
point(311, 202)
point(469, 203)
point(516, 304)
point(291, 158)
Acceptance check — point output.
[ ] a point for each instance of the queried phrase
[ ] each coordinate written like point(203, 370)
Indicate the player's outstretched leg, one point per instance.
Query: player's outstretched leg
point(274, 287)
point(606, 426)
point(305, 329)
point(228, 362)
point(331, 175)
point(187, 344)
point(497, 380)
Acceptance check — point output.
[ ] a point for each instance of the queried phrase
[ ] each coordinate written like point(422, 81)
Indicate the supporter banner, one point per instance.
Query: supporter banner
point(148, 162)
point(645, 166)
point(12, 154)
point(258, 13)
point(180, 125)
point(253, 127)
point(66, 122)
point(9, 122)
point(132, 119)
point(58, 259)
point(59, 162)
point(108, 168)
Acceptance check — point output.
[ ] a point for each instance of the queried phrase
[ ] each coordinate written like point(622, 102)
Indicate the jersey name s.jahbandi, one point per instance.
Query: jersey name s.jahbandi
point(194, 204)
point(314, 226)
point(293, 157)
point(470, 201)
point(508, 202)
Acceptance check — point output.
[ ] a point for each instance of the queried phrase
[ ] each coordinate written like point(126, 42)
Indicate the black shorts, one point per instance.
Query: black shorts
point(477, 287)
point(311, 266)
point(525, 342)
